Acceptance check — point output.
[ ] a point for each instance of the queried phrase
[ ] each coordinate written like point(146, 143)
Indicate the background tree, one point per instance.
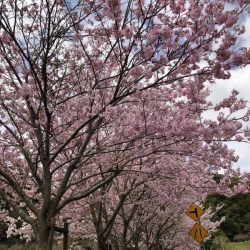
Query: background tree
point(235, 210)
point(90, 90)
point(148, 210)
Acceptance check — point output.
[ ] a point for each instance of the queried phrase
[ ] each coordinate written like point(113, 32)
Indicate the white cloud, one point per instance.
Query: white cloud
point(240, 80)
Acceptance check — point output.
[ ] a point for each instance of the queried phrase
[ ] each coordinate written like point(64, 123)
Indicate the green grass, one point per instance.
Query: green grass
point(238, 245)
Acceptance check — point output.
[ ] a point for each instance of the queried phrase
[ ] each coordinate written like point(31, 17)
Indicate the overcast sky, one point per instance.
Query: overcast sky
point(240, 80)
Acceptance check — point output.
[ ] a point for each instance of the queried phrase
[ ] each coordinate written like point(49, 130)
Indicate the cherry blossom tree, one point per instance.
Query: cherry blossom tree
point(149, 210)
point(95, 88)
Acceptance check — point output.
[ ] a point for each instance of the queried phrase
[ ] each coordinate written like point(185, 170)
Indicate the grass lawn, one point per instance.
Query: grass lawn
point(238, 245)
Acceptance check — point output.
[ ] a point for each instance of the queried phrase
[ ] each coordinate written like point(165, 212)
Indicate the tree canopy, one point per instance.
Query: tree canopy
point(104, 101)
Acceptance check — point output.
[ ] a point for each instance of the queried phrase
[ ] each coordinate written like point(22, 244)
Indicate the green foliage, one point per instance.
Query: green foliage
point(237, 214)
point(218, 177)
point(233, 181)
point(214, 199)
point(238, 245)
point(218, 241)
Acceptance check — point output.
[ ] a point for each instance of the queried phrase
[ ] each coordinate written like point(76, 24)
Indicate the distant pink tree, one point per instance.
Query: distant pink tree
point(148, 210)
point(95, 88)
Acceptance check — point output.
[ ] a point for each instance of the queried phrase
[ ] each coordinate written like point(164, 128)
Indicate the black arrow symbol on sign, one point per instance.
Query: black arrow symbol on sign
point(194, 212)
point(196, 233)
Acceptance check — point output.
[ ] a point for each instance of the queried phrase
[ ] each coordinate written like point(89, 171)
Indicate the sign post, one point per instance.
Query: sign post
point(197, 232)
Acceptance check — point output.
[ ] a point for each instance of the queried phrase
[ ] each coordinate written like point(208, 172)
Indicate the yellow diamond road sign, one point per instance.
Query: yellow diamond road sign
point(198, 232)
point(194, 212)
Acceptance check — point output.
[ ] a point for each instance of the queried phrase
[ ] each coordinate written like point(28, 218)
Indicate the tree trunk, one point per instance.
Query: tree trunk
point(45, 235)
point(45, 241)
point(102, 244)
point(115, 244)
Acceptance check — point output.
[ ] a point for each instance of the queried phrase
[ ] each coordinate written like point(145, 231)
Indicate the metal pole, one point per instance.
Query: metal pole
point(66, 235)
point(201, 248)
